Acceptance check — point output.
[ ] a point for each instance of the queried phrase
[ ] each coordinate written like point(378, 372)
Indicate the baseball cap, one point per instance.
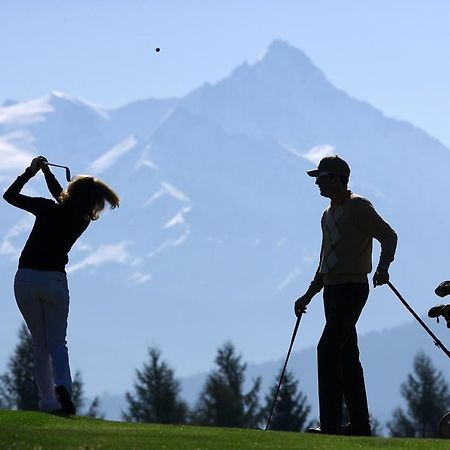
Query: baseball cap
point(332, 165)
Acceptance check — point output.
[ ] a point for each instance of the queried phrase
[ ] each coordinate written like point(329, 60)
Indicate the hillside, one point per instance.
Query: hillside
point(22, 430)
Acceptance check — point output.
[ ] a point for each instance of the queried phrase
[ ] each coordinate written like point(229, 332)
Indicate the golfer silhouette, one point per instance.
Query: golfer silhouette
point(40, 284)
point(349, 225)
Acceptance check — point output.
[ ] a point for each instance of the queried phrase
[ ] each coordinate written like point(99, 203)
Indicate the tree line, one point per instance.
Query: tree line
point(223, 400)
point(18, 389)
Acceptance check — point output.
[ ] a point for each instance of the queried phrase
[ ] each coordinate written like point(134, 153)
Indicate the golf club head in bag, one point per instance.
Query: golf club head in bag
point(443, 289)
point(440, 310)
point(68, 176)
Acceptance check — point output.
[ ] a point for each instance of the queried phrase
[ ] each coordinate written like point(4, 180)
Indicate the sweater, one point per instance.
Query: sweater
point(56, 227)
point(348, 230)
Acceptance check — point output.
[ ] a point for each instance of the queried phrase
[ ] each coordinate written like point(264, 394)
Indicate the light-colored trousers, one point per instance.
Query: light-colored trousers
point(43, 300)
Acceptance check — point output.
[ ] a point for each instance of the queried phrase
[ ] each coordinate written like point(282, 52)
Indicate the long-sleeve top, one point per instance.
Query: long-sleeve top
point(348, 230)
point(56, 227)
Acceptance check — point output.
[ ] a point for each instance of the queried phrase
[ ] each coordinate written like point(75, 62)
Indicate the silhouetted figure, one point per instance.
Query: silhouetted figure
point(349, 225)
point(40, 285)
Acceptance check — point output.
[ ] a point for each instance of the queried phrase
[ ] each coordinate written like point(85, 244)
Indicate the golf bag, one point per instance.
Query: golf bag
point(435, 312)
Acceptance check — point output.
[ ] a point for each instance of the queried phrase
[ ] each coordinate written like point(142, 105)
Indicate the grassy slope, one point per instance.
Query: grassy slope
point(29, 430)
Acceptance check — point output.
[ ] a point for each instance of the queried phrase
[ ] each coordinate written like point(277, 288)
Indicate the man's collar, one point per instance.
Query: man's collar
point(341, 199)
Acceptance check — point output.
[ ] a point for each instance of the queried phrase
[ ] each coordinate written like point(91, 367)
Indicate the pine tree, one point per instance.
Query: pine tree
point(156, 396)
point(427, 396)
point(291, 409)
point(79, 399)
point(222, 401)
point(18, 388)
point(377, 427)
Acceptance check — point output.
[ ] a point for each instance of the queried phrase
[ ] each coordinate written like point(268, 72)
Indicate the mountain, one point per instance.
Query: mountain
point(218, 229)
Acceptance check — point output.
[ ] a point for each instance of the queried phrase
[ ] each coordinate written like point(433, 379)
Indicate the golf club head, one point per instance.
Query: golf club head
point(68, 176)
point(443, 289)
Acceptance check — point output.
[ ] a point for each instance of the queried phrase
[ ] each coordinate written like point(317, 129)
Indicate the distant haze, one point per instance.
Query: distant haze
point(392, 54)
point(218, 230)
point(387, 358)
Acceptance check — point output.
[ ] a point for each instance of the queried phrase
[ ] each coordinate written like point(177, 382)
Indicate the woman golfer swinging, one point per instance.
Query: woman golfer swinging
point(40, 285)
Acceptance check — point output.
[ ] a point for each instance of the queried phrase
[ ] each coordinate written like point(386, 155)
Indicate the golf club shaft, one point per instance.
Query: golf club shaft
point(437, 342)
point(56, 165)
point(297, 323)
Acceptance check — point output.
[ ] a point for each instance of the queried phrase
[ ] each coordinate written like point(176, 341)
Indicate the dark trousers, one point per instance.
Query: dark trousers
point(340, 372)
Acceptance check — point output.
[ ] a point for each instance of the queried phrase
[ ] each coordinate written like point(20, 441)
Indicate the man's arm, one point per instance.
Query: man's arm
point(375, 226)
point(314, 288)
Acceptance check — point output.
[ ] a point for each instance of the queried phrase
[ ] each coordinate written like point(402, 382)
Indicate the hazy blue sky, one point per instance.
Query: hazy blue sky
point(392, 54)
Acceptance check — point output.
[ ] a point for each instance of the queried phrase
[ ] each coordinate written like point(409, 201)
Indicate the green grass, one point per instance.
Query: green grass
point(36, 431)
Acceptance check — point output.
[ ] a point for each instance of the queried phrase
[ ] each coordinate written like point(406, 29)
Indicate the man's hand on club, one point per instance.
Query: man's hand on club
point(37, 164)
point(381, 277)
point(301, 304)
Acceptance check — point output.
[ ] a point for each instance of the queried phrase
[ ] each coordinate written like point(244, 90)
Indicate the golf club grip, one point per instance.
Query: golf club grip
point(437, 342)
point(297, 323)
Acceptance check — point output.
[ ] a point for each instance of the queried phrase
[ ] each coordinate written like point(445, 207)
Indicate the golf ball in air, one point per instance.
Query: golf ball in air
point(157, 49)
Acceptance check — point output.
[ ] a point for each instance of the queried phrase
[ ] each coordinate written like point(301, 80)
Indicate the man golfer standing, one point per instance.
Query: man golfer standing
point(349, 225)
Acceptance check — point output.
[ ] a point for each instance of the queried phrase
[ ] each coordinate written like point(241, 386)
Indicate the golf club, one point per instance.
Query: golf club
point(68, 177)
point(297, 323)
point(437, 342)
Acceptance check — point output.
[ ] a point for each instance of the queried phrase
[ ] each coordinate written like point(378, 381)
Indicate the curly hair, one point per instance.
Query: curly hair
point(88, 194)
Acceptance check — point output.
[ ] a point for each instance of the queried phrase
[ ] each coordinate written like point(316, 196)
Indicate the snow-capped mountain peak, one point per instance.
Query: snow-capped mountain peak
point(284, 58)
point(63, 100)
